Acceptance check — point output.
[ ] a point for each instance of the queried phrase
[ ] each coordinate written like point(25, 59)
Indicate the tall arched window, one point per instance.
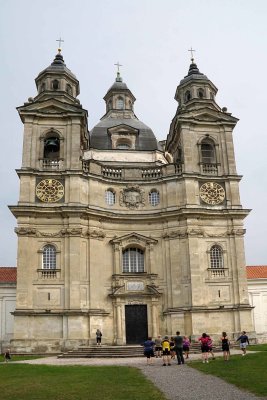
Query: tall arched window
point(51, 147)
point(216, 257)
point(55, 84)
point(208, 155)
point(49, 257)
point(200, 93)
point(120, 103)
point(187, 96)
point(133, 260)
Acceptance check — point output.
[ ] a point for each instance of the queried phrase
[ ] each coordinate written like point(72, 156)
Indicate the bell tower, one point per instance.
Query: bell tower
point(55, 136)
point(201, 143)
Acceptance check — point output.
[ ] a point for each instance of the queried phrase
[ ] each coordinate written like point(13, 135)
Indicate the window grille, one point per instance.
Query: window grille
point(154, 198)
point(216, 257)
point(110, 197)
point(49, 257)
point(207, 153)
point(133, 260)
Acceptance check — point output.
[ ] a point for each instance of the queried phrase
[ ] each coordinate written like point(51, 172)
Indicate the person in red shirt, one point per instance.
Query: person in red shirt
point(204, 340)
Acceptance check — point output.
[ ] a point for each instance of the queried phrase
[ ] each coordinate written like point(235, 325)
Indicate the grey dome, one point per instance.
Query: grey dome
point(193, 74)
point(100, 138)
point(57, 66)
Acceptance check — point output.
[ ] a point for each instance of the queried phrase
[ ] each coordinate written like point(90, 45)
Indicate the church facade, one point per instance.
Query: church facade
point(121, 232)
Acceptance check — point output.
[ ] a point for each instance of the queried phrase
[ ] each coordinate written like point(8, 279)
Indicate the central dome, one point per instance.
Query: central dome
point(119, 128)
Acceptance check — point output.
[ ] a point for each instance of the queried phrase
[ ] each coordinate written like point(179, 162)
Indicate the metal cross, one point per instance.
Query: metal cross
point(118, 65)
point(192, 55)
point(59, 42)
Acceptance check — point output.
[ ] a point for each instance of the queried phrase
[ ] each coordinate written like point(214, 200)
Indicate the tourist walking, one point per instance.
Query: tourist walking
point(204, 340)
point(158, 347)
point(243, 342)
point(186, 346)
point(225, 346)
point(178, 345)
point(149, 350)
point(98, 337)
point(166, 351)
point(210, 342)
point(7, 356)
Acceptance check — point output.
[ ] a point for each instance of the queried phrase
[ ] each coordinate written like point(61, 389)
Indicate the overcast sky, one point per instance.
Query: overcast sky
point(150, 38)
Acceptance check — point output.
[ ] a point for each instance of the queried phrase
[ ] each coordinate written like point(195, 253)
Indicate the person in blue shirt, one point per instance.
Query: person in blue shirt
point(243, 342)
point(149, 350)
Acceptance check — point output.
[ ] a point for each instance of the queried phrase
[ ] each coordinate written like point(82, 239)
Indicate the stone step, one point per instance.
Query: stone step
point(105, 351)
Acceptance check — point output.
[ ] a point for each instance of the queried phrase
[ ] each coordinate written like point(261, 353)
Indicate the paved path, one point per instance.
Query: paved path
point(177, 382)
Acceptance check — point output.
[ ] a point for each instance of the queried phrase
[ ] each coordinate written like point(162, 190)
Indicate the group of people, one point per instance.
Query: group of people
point(167, 348)
point(179, 346)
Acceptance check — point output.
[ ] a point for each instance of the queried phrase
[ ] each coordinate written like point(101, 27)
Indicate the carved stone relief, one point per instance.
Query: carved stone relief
point(132, 197)
point(95, 234)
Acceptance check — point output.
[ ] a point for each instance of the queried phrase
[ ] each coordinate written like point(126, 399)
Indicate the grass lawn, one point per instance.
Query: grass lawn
point(249, 372)
point(38, 382)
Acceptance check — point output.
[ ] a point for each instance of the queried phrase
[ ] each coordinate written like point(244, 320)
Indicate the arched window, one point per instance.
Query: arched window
point(154, 197)
point(51, 147)
point(216, 257)
point(187, 96)
point(208, 155)
point(49, 257)
point(120, 103)
point(133, 260)
point(200, 93)
point(42, 89)
point(55, 84)
point(110, 197)
point(69, 89)
point(110, 105)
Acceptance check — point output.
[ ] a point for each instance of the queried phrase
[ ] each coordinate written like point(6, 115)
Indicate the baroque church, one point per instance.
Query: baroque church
point(121, 232)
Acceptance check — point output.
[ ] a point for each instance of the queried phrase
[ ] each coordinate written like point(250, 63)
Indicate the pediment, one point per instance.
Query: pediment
point(133, 238)
point(208, 115)
point(123, 129)
point(48, 106)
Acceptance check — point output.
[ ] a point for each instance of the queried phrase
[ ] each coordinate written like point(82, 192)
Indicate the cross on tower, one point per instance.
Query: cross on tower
point(192, 55)
point(118, 66)
point(59, 43)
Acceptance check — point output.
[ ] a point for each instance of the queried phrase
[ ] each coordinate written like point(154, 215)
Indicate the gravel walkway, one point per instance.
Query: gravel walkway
point(177, 382)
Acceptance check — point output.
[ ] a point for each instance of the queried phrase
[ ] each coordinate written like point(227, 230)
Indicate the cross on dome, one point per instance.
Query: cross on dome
point(192, 55)
point(59, 44)
point(118, 66)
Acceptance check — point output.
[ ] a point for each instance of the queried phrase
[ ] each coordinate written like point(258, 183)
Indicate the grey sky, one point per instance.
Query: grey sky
point(151, 39)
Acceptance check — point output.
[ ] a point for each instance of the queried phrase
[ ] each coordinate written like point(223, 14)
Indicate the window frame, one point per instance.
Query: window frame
point(49, 261)
point(216, 258)
point(133, 260)
point(154, 197)
point(110, 197)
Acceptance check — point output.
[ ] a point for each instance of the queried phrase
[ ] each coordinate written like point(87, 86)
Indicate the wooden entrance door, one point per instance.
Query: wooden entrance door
point(136, 324)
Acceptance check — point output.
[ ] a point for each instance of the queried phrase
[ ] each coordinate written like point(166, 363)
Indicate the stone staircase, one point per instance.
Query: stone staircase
point(104, 351)
point(130, 351)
